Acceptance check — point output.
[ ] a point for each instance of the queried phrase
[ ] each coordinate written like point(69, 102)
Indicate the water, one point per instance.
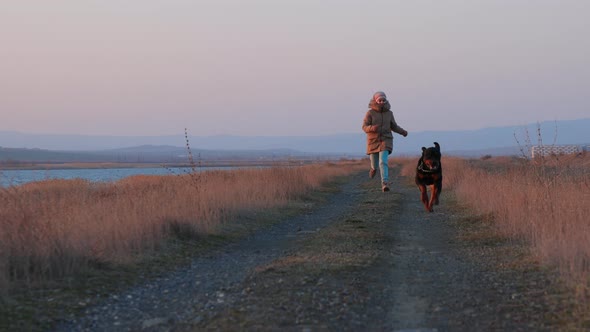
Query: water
point(18, 177)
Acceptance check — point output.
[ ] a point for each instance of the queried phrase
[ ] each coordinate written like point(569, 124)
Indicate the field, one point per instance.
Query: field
point(69, 244)
point(56, 228)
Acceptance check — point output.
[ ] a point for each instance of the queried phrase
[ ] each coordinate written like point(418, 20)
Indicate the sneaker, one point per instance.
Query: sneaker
point(372, 173)
point(385, 187)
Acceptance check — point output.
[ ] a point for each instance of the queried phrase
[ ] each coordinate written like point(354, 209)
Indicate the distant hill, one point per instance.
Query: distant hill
point(494, 141)
point(145, 154)
point(40, 155)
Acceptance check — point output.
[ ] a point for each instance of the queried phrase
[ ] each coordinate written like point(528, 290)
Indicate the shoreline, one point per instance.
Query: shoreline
point(114, 165)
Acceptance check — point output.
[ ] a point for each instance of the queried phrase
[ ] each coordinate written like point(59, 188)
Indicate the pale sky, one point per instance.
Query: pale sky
point(291, 67)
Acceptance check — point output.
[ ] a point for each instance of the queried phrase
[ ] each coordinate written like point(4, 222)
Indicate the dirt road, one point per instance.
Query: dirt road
point(365, 260)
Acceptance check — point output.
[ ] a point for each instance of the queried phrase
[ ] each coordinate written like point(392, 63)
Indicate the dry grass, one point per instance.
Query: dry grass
point(54, 228)
point(546, 203)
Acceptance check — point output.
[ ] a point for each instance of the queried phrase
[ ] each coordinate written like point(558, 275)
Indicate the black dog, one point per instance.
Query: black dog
point(429, 173)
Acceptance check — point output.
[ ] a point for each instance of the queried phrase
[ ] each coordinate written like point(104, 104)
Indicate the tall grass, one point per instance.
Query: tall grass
point(54, 228)
point(545, 202)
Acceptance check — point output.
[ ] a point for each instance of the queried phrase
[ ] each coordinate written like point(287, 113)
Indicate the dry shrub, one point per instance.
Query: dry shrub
point(544, 202)
point(54, 228)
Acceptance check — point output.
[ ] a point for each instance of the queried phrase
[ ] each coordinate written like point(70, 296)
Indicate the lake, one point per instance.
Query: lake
point(18, 177)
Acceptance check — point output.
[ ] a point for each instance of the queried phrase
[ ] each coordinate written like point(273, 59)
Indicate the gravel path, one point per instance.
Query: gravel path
point(433, 283)
point(163, 302)
point(435, 280)
point(420, 276)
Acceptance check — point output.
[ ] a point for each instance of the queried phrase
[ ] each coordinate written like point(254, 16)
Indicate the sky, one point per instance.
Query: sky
point(288, 67)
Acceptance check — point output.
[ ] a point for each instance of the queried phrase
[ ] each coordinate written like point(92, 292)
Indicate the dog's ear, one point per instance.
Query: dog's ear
point(423, 149)
point(437, 146)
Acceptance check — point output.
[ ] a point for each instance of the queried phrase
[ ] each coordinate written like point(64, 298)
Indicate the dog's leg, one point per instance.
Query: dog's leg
point(433, 196)
point(423, 196)
point(438, 191)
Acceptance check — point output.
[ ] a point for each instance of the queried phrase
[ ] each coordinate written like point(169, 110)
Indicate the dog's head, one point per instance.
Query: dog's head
point(431, 156)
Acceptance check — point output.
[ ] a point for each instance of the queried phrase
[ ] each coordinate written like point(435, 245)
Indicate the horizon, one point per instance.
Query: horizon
point(524, 125)
point(560, 133)
point(294, 68)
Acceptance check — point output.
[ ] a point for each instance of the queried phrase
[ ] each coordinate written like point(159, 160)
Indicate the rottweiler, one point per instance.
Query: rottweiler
point(429, 173)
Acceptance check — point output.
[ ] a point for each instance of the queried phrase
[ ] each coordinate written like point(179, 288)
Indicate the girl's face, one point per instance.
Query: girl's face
point(380, 100)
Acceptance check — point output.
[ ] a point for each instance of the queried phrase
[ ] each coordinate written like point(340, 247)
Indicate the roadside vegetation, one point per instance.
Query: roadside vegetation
point(543, 201)
point(57, 228)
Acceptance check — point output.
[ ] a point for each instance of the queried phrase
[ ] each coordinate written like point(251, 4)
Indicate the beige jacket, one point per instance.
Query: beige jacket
point(379, 124)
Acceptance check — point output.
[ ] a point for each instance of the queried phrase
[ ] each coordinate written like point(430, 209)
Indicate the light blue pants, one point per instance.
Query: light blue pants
point(381, 159)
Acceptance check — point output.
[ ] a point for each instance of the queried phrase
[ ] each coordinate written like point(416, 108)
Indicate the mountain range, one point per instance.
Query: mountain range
point(507, 140)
